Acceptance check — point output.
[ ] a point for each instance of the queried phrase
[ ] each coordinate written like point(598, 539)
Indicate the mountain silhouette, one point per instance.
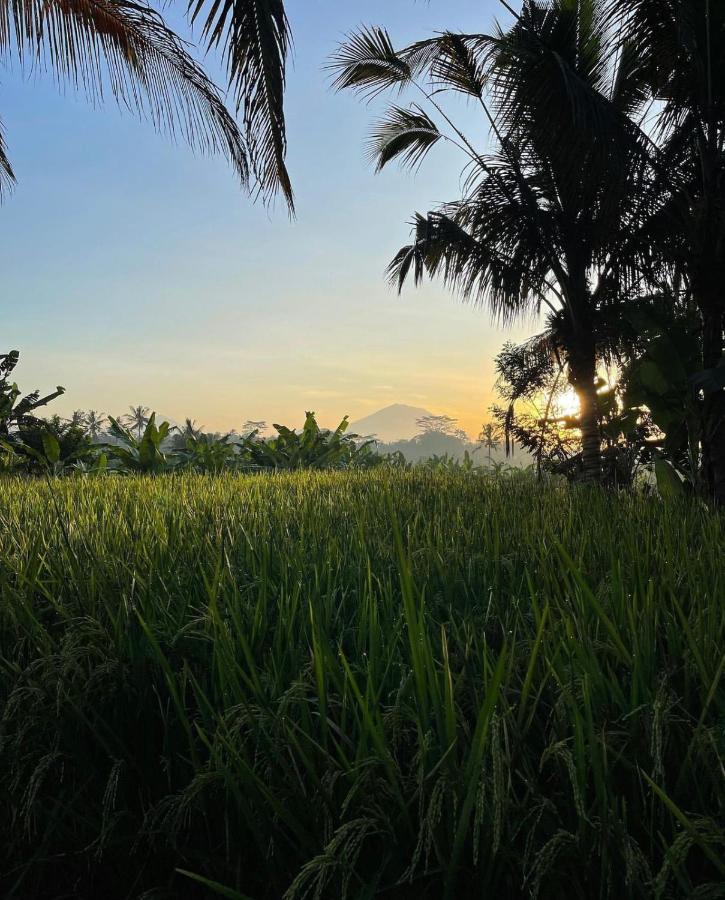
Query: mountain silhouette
point(393, 423)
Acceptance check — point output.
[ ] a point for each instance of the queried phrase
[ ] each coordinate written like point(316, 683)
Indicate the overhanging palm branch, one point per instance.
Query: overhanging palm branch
point(7, 176)
point(455, 64)
point(255, 39)
point(680, 44)
point(124, 48)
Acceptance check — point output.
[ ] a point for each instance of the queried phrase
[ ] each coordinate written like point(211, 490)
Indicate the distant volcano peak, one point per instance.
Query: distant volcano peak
point(397, 422)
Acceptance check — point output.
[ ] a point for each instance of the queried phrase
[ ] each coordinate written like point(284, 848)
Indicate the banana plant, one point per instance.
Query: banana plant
point(49, 459)
point(14, 409)
point(312, 448)
point(206, 452)
point(142, 454)
point(48, 446)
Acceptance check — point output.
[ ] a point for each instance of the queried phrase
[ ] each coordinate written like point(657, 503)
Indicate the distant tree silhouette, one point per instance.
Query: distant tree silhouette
point(138, 419)
point(252, 425)
point(192, 429)
point(77, 419)
point(94, 422)
point(440, 425)
point(490, 436)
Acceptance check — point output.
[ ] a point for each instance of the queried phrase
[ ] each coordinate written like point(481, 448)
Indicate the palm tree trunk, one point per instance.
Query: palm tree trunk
point(582, 374)
point(713, 431)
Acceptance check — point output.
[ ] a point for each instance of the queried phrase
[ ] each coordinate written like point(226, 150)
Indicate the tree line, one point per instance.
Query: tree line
point(135, 442)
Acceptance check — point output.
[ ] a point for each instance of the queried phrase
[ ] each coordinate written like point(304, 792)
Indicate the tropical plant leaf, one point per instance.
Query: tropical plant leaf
point(404, 134)
point(368, 63)
point(458, 65)
point(51, 447)
point(653, 378)
point(669, 483)
point(709, 380)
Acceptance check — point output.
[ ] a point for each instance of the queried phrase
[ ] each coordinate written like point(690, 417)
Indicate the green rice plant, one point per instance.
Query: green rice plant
point(359, 684)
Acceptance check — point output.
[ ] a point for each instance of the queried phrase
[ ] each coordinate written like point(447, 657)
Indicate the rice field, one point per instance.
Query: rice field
point(358, 685)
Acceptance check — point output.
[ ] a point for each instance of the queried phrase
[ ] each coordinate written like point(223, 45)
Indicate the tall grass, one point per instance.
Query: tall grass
point(359, 685)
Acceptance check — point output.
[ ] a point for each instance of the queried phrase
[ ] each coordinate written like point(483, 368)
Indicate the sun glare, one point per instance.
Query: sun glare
point(567, 403)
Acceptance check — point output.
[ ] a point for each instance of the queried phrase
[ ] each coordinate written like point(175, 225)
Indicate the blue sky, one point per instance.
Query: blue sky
point(136, 272)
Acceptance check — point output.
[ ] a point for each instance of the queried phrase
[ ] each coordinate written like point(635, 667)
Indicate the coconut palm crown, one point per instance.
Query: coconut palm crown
point(547, 214)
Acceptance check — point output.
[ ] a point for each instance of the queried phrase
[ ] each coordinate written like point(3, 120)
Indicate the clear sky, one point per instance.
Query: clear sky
point(135, 272)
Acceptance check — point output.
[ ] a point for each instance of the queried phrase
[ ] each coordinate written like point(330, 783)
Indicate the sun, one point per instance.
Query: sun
point(566, 403)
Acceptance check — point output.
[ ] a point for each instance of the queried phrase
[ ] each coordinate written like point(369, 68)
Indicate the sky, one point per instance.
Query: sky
point(136, 272)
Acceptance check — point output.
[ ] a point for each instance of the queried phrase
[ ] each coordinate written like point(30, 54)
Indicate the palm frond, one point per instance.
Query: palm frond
point(552, 66)
point(629, 91)
point(404, 134)
point(256, 41)
point(478, 262)
point(410, 257)
point(680, 44)
point(563, 90)
point(524, 369)
point(125, 47)
point(367, 63)
point(7, 176)
point(459, 64)
point(420, 55)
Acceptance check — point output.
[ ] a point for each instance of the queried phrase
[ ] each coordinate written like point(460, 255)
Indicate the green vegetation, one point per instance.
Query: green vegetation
point(359, 684)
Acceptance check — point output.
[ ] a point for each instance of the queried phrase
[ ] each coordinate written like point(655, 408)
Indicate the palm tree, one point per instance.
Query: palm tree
point(138, 419)
point(254, 426)
point(94, 422)
point(682, 47)
point(77, 419)
point(254, 36)
point(545, 215)
point(490, 437)
point(191, 429)
point(126, 48)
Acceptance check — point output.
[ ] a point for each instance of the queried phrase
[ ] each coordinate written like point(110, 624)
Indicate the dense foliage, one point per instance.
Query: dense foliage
point(599, 195)
point(358, 684)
